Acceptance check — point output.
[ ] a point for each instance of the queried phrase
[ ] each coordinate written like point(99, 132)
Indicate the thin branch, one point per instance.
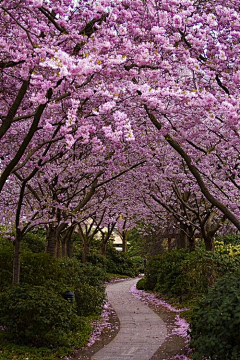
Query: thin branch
point(121, 173)
point(221, 85)
point(8, 64)
point(20, 25)
point(51, 18)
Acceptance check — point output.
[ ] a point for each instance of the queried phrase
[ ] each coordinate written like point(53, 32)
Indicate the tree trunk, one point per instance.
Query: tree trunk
point(52, 241)
point(67, 243)
point(85, 252)
point(124, 242)
point(209, 243)
point(182, 238)
point(169, 240)
point(191, 244)
point(64, 247)
point(59, 248)
point(69, 247)
point(16, 259)
point(104, 248)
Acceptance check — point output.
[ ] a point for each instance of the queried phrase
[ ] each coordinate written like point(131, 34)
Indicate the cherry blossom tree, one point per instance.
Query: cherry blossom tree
point(91, 90)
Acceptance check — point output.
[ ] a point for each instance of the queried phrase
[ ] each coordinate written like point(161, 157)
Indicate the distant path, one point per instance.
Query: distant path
point(141, 330)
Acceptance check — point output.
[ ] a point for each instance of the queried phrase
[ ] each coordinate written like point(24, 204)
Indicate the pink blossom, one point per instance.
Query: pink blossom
point(106, 107)
point(157, 30)
point(101, 324)
point(177, 21)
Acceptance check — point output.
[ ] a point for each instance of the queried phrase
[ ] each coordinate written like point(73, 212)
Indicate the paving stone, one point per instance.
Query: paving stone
point(141, 330)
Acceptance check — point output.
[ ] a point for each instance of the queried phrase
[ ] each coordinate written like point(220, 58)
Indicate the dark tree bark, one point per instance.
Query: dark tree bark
point(64, 248)
point(14, 108)
point(59, 247)
point(86, 250)
point(209, 227)
point(106, 237)
point(169, 244)
point(9, 168)
point(191, 244)
point(51, 241)
point(182, 238)
point(67, 243)
point(16, 258)
point(124, 241)
point(70, 247)
point(103, 248)
point(209, 243)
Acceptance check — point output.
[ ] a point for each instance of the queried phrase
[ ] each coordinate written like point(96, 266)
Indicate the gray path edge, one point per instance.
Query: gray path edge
point(142, 331)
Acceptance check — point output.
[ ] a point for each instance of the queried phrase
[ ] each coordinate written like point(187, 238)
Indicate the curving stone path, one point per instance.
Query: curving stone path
point(141, 330)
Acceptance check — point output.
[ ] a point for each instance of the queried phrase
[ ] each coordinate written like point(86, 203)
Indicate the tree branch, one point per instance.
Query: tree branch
point(14, 108)
point(25, 142)
point(195, 172)
point(8, 64)
point(51, 18)
point(222, 86)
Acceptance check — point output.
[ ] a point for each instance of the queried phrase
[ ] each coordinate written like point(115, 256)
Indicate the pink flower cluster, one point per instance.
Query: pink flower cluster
point(181, 328)
point(151, 298)
point(101, 324)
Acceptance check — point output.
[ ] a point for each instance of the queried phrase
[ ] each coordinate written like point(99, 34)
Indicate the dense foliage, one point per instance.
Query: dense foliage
point(120, 263)
point(216, 320)
point(35, 311)
point(163, 271)
point(37, 315)
point(184, 273)
point(210, 281)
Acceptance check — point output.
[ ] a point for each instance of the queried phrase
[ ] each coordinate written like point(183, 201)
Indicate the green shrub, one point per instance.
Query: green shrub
point(231, 249)
point(37, 315)
point(139, 263)
point(34, 241)
point(120, 263)
point(13, 351)
point(59, 275)
point(215, 321)
point(196, 273)
point(141, 284)
point(85, 280)
point(38, 268)
point(41, 267)
point(6, 263)
point(91, 274)
point(233, 239)
point(35, 268)
point(97, 259)
point(180, 272)
point(162, 272)
point(170, 271)
point(151, 272)
point(201, 268)
point(89, 300)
